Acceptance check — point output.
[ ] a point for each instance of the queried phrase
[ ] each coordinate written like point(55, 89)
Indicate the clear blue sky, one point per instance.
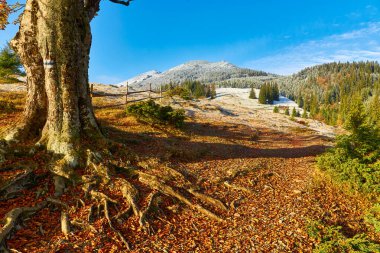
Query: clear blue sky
point(279, 36)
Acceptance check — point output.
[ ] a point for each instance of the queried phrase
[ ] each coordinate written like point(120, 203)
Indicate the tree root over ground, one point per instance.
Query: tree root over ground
point(13, 218)
point(115, 197)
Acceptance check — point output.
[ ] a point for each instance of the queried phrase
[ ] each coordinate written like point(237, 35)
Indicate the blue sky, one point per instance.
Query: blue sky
point(279, 36)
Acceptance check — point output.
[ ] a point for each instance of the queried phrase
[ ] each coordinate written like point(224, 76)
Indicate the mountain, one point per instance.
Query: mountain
point(222, 73)
point(140, 78)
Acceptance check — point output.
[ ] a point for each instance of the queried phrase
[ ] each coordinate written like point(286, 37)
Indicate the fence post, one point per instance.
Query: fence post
point(150, 88)
point(92, 90)
point(126, 95)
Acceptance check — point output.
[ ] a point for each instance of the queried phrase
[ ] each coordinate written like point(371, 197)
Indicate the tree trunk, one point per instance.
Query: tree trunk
point(54, 43)
point(25, 44)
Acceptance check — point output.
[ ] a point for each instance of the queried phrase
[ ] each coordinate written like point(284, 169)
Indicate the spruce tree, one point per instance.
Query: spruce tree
point(208, 91)
point(198, 90)
point(262, 94)
point(304, 114)
point(300, 101)
point(287, 111)
point(252, 93)
point(294, 112)
point(213, 91)
point(9, 62)
point(276, 92)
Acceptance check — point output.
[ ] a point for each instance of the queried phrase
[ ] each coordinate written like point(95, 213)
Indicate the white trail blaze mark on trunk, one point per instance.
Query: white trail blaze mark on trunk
point(48, 63)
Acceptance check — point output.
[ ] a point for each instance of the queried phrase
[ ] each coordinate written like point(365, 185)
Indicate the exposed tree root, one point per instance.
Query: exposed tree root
point(208, 199)
point(65, 223)
point(155, 183)
point(83, 225)
point(130, 193)
point(100, 177)
point(101, 197)
point(90, 216)
point(12, 218)
point(22, 181)
point(57, 203)
point(96, 167)
point(143, 221)
point(106, 213)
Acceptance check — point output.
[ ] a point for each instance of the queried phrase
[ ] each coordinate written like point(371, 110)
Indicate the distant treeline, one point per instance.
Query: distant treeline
point(327, 90)
point(191, 89)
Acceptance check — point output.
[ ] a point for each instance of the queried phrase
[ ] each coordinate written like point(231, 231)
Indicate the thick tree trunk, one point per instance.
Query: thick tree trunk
point(54, 43)
point(25, 44)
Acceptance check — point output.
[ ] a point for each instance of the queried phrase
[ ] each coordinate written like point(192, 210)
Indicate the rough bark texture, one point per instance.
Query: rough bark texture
point(25, 44)
point(54, 43)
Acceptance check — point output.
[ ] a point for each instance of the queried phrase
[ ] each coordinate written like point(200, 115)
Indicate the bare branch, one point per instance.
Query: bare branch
point(126, 3)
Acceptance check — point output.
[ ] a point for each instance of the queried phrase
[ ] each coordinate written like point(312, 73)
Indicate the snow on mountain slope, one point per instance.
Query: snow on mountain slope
point(140, 78)
point(204, 71)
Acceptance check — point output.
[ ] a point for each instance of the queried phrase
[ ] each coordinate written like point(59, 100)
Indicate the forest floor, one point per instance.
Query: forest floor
point(273, 192)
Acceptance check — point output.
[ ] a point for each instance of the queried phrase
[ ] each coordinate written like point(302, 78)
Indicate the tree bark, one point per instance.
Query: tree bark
point(25, 44)
point(54, 43)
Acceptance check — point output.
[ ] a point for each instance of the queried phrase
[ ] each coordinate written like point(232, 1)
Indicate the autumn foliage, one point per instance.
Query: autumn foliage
point(4, 13)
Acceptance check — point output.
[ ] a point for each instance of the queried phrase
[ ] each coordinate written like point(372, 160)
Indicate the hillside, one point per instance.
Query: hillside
point(260, 165)
point(221, 73)
point(327, 90)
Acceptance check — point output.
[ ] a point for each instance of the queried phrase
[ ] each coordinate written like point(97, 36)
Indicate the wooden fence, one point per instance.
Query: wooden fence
point(127, 95)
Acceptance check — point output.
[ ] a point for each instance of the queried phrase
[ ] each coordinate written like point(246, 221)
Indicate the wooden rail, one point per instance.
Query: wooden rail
point(128, 93)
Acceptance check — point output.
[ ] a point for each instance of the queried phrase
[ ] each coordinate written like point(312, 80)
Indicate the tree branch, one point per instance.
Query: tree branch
point(126, 3)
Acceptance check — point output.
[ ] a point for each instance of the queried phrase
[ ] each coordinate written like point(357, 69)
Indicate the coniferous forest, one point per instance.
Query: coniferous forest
point(326, 91)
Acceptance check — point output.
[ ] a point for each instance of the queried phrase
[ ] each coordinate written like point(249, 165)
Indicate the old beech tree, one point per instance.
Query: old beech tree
point(53, 42)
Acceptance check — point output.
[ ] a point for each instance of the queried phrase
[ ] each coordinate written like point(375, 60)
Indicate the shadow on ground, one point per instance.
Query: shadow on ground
point(206, 141)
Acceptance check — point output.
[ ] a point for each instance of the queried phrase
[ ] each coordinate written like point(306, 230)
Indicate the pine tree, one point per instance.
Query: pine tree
point(213, 91)
point(287, 111)
point(252, 93)
point(304, 114)
point(294, 112)
point(269, 94)
point(314, 106)
point(9, 62)
point(300, 101)
point(208, 91)
point(276, 92)
point(198, 89)
point(262, 94)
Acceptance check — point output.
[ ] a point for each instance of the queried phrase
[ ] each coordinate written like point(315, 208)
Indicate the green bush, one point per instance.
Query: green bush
point(356, 157)
point(276, 109)
point(150, 112)
point(180, 91)
point(355, 160)
point(372, 217)
point(332, 240)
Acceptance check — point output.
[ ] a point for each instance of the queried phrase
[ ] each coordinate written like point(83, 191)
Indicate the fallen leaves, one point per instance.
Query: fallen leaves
point(277, 172)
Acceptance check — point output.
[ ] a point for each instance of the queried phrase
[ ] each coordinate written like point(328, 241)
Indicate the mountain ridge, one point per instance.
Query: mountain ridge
point(221, 73)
